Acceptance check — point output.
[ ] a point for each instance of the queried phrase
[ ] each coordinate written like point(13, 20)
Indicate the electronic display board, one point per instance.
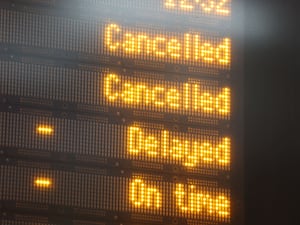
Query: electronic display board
point(207, 152)
point(213, 13)
point(20, 219)
point(220, 8)
point(112, 41)
point(116, 89)
point(136, 193)
point(119, 112)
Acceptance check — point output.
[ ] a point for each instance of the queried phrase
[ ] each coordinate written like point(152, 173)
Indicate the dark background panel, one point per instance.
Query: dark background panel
point(271, 111)
point(271, 123)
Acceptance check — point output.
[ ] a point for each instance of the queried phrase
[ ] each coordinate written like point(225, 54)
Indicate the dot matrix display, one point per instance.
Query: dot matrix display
point(214, 7)
point(137, 193)
point(102, 38)
point(219, 9)
point(134, 141)
point(187, 48)
point(188, 96)
point(74, 77)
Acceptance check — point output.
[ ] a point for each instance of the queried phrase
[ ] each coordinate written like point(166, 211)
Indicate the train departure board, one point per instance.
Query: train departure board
point(121, 112)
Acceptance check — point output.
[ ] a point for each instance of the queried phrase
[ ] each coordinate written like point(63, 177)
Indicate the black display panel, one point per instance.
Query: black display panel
point(110, 89)
point(138, 193)
point(120, 112)
point(141, 145)
point(115, 40)
point(217, 9)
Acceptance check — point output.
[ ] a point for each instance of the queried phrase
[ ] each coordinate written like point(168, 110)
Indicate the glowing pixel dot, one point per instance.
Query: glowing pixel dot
point(44, 130)
point(43, 182)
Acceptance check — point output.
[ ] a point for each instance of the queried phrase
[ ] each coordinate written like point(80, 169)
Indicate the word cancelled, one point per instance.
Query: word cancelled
point(189, 98)
point(191, 48)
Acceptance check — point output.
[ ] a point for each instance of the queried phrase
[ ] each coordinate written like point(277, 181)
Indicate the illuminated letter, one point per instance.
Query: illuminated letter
point(139, 93)
point(176, 148)
point(223, 152)
point(128, 93)
point(223, 101)
point(206, 152)
point(195, 95)
point(153, 198)
point(42, 182)
point(207, 202)
point(156, 48)
point(208, 7)
point(109, 32)
point(108, 86)
point(222, 206)
point(187, 95)
point(169, 3)
point(193, 199)
point(165, 142)
point(196, 47)
point(140, 195)
point(220, 8)
point(135, 140)
point(223, 52)
point(155, 97)
point(148, 96)
point(151, 145)
point(137, 192)
point(173, 98)
point(179, 193)
point(207, 52)
point(206, 102)
point(192, 156)
point(44, 130)
point(129, 43)
point(174, 48)
point(188, 199)
point(184, 5)
point(143, 43)
point(187, 46)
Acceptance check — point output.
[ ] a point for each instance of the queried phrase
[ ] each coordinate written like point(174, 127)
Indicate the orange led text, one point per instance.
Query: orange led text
point(44, 130)
point(191, 200)
point(184, 98)
point(177, 148)
point(43, 182)
point(187, 48)
point(142, 195)
point(216, 7)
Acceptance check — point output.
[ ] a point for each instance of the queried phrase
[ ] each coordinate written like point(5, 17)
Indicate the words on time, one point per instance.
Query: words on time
point(188, 198)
